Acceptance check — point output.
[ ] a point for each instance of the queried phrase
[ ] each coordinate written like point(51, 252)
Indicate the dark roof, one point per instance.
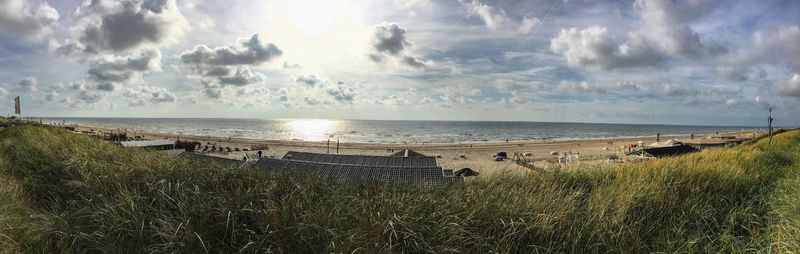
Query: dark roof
point(411, 153)
point(351, 172)
point(212, 159)
point(364, 160)
point(466, 172)
point(660, 152)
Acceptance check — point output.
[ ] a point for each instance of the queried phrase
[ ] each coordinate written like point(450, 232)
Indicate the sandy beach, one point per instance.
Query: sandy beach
point(476, 155)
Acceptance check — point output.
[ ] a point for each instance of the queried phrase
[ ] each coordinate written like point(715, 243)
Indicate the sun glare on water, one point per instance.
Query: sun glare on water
point(311, 129)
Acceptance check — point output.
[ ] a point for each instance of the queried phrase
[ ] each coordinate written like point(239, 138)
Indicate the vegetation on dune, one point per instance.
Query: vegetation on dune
point(61, 192)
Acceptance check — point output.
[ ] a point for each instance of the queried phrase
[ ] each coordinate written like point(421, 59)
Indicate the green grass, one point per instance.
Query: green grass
point(61, 192)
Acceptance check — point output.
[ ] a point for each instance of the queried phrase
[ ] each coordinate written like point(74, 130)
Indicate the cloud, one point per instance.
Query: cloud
point(675, 90)
point(320, 90)
point(107, 87)
point(26, 19)
point(109, 68)
point(593, 47)
point(341, 93)
point(389, 41)
point(775, 46)
point(89, 97)
point(528, 24)
point(490, 15)
point(125, 25)
point(28, 84)
point(214, 93)
point(3, 92)
point(309, 80)
point(791, 88)
point(252, 51)
point(668, 22)
point(241, 77)
point(142, 94)
point(414, 62)
point(580, 88)
point(230, 65)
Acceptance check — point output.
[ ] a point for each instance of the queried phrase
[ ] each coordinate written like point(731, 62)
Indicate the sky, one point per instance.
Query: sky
point(699, 62)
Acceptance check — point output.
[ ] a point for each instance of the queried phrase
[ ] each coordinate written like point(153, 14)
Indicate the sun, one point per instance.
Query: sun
point(312, 17)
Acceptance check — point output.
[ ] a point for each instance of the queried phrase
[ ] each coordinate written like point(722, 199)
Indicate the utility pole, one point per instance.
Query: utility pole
point(769, 126)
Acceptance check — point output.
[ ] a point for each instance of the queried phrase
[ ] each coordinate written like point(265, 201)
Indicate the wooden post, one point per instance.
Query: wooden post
point(769, 126)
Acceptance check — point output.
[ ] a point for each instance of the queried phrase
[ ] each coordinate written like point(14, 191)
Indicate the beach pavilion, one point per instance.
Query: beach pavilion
point(404, 167)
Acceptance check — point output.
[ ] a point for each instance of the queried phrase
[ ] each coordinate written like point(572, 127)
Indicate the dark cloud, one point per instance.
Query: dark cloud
point(27, 85)
point(309, 80)
point(213, 93)
point(118, 69)
point(107, 87)
point(124, 25)
point(89, 97)
point(414, 62)
point(242, 77)
point(27, 19)
point(390, 41)
point(341, 93)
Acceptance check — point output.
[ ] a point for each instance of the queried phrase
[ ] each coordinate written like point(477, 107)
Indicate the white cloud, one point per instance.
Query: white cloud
point(230, 65)
point(593, 47)
point(27, 19)
point(142, 94)
point(491, 16)
point(529, 24)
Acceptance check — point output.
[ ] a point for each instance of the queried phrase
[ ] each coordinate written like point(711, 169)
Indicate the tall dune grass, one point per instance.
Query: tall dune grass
point(61, 192)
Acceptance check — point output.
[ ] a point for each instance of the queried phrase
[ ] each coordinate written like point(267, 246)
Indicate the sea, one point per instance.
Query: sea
point(380, 131)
